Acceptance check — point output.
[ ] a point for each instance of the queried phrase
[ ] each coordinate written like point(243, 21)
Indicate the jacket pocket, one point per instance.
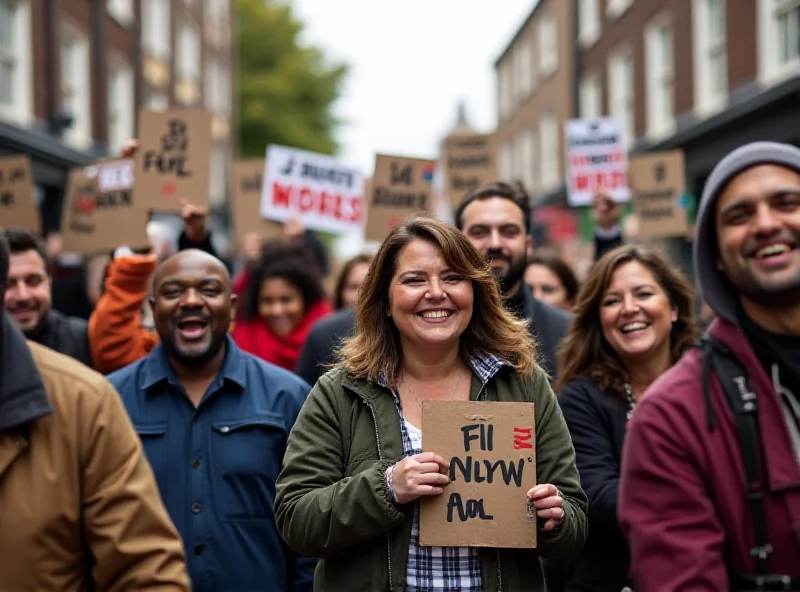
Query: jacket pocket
point(248, 453)
point(153, 438)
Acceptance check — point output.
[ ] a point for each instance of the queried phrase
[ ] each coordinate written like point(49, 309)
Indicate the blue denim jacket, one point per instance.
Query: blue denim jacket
point(216, 466)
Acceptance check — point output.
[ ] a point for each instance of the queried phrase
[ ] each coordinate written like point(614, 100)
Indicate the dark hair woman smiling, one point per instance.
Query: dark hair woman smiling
point(430, 325)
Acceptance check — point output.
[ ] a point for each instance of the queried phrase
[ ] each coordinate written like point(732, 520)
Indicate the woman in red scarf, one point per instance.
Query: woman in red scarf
point(284, 297)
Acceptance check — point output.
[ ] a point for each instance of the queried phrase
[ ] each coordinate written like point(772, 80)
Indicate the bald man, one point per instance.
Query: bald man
point(214, 422)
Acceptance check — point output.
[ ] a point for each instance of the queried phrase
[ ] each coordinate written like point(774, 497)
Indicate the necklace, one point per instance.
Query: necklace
point(631, 400)
point(419, 402)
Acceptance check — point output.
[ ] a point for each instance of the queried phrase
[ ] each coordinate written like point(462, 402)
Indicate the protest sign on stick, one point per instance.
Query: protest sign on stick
point(658, 185)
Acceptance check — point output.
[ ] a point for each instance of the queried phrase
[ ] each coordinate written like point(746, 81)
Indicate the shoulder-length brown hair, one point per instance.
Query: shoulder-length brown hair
point(585, 351)
point(375, 347)
point(341, 280)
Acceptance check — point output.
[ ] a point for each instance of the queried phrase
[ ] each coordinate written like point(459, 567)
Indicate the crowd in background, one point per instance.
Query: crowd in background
point(266, 479)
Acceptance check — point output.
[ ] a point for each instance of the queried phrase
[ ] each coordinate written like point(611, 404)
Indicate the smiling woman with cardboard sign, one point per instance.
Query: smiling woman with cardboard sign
point(430, 330)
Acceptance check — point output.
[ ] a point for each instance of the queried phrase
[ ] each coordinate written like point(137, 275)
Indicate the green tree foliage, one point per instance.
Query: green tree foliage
point(285, 90)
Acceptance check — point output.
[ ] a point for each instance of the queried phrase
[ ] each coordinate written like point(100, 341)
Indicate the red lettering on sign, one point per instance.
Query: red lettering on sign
point(84, 204)
point(356, 209)
point(168, 190)
point(582, 182)
point(523, 438)
point(281, 196)
point(325, 199)
point(306, 203)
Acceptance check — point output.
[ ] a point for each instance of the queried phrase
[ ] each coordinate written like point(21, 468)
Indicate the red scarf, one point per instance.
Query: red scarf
point(254, 337)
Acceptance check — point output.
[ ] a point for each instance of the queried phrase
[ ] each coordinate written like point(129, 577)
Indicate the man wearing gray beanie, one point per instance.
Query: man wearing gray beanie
point(710, 486)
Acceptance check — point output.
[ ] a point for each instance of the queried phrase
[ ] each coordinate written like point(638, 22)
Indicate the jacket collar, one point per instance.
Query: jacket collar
point(484, 366)
point(23, 397)
point(157, 368)
point(771, 422)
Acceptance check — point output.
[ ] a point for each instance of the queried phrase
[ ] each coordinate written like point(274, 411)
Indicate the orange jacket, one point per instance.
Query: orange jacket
point(116, 337)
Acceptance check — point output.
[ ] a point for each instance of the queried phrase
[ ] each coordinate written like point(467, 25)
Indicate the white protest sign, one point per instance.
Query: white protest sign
point(314, 188)
point(596, 158)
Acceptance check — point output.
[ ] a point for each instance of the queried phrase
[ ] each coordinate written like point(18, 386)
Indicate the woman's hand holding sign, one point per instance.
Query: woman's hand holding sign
point(418, 476)
point(549, 504)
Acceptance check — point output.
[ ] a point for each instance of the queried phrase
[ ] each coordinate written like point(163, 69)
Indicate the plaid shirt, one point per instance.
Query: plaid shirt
point(442, 568)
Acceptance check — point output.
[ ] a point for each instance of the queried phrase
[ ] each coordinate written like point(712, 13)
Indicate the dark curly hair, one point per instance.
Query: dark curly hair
point(288, 261)
point(584, 352)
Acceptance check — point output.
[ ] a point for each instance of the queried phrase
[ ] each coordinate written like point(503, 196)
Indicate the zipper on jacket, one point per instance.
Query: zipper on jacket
point(380, 457)
point(499, 573)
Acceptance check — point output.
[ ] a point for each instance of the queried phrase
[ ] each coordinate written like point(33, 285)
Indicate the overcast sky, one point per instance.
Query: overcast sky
point(412, 61)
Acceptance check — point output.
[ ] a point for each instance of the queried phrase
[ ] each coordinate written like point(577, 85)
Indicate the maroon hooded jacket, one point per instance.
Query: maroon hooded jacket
point(683, 505)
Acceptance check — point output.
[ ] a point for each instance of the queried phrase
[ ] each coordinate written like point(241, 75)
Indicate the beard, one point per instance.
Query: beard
point(779, 289)
point(511, 277)
point(194, 358)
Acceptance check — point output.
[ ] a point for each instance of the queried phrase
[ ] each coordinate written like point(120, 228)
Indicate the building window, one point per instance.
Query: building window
point(620, 93)
point(549, 172)
point(660, 79)
point(188, 50)
point(548, 45)
point(527, 160)
point(788, 17)
point(218, 12)
point(523, 65)
point(505, 83)
point(616, 8)
point(121, 11)
point(588, 22)
point(75, 86)
point(157, 101)
point(710, 60)
point(590, 96)
point(506, 161)
point(217, 83)
point(157, 28)
point(16, 71)
point(120, 106)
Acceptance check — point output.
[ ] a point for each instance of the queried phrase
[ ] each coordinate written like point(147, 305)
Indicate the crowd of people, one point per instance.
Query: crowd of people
point(251, 425)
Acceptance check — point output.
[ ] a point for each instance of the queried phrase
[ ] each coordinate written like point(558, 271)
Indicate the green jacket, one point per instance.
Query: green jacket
point(332, 501)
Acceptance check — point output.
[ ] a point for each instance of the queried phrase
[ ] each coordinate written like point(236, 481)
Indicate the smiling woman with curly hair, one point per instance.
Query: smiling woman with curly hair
point(283, 299)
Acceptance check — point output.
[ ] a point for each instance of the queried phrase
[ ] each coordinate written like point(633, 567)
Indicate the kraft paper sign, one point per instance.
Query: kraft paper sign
point(99, 213)
point(491, 451)
point(470, 163)
point(17, 207)
point(658, 186)
point(173, 160)
point(400, 186)
point(247, 182)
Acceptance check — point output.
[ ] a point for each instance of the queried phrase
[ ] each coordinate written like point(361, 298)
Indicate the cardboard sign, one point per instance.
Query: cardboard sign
point(17, 207)
point(314, 188)
point(491, 450)
point(596, 158)
point(470, 163)
point(99, 213)
point(173, 160)
point(247, 184)
point(401, 186)
point(658, 185)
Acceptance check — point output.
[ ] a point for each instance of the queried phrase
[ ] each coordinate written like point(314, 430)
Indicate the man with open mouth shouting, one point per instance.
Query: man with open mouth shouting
point(214, 422)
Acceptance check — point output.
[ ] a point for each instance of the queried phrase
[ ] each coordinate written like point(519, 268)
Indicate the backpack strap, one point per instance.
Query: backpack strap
point(742, 400)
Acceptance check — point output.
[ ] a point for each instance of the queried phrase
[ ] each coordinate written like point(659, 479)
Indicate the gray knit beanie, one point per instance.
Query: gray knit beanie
point(714, 286)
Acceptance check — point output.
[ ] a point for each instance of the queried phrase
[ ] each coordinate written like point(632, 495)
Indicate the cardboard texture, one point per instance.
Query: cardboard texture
point(99, 213)
point(17, 206)
point(400, 186)
point(173, 160)
point(247, 182)
point(658, 186)
point(470, 163)
point(491, 449)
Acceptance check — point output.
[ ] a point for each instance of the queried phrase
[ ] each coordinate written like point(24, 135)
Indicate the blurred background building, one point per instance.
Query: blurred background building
point(701, 75)
point(74, 73)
